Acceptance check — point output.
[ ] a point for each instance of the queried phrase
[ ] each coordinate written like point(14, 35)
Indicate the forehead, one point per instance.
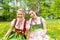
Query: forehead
point(31, 11)
point(19, 11)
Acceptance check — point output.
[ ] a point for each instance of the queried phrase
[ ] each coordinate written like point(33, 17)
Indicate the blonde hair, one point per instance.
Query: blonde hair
point(21, 10)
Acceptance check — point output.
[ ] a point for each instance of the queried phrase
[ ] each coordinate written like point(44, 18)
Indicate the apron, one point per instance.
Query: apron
point(36, 32)
point(35, 27)
point(18, 34)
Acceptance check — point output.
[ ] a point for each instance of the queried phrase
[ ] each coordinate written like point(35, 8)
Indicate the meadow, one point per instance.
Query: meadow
point(53, 28)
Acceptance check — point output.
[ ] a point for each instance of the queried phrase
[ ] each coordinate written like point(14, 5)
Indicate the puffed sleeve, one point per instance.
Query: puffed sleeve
point(28, 24)
point(12, 22)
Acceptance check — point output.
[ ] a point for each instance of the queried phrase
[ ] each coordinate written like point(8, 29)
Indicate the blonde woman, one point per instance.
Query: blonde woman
point(20, 25)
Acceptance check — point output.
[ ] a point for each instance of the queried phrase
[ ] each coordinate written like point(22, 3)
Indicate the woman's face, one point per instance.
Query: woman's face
point(20, 14)
point(32, 14)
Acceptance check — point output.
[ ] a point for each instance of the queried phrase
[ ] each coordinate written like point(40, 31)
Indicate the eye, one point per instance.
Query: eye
point(29, 14)
point(20, 14)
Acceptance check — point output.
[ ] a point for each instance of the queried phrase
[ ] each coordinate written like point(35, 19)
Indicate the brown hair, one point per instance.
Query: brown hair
point(32, 9)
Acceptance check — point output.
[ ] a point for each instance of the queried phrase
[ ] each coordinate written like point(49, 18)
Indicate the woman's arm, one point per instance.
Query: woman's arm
point(44, 29)
point(27, 34)
point(8, 32)
point(28, 30)
point(44, 26)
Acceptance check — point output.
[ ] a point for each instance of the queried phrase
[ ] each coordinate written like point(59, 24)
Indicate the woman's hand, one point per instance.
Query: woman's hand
point(43, 33)
point(4, 38)
point(44, 29)
point(7, 34)
point(27, 34)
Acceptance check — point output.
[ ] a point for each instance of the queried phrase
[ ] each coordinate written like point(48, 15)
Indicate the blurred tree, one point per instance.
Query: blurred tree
point(55, 8)
point(42, 7)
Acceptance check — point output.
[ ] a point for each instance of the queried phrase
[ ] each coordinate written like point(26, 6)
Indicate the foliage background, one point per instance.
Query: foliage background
point(49, 9)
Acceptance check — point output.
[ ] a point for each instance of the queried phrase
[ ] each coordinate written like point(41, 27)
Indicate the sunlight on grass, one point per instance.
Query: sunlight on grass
point(53, 28)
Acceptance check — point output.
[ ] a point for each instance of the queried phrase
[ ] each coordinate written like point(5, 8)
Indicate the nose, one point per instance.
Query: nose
point(31, 14)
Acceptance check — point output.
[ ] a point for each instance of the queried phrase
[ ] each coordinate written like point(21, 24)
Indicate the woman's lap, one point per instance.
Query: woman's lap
point(36, 35)
point(16, 36)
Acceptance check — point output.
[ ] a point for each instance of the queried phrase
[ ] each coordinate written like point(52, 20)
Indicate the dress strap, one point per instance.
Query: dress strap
point(41, 22)
point(25, 25)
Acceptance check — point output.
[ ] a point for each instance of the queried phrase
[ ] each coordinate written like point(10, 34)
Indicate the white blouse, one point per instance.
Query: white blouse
point(39, 20)
point(22, 26)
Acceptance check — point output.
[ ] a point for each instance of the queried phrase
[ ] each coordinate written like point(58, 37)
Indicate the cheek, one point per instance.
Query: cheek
point(31, 15)
point(19, 15)
point(22, 15)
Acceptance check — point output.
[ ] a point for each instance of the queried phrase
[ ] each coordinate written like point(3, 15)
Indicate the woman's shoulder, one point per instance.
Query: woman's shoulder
point(30, 19)
point(41, 18)
point(13, 20)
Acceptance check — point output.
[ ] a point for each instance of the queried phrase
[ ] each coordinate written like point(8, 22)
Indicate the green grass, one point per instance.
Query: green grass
point(53, 28)
point(4, 26)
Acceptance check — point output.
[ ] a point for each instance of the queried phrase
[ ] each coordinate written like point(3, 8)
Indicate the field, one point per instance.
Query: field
point(53, 28)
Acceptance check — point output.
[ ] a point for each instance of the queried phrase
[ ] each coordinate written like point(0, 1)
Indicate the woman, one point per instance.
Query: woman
point(20, 25)
point(38, 26)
